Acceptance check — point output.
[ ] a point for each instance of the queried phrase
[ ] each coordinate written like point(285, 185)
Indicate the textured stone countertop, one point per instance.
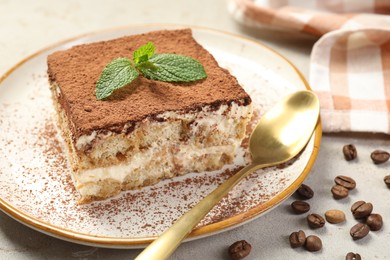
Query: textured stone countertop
point(28, 26)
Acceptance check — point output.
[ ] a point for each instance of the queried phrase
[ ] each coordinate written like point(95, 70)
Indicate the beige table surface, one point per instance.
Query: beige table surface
point(28, 26)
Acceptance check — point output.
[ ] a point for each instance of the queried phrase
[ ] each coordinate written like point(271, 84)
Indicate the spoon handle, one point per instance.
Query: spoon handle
point(166, 244)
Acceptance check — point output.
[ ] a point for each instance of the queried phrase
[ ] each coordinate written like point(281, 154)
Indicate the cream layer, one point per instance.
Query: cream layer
point(213, 137)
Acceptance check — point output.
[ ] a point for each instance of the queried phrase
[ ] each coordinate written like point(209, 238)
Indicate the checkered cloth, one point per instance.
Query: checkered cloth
point(350, 63)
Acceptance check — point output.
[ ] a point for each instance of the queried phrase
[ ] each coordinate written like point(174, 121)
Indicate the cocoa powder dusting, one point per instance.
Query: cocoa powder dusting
point(76, 71)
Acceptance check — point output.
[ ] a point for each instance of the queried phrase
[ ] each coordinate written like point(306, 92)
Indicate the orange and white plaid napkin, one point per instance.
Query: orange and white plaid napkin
point(350, 63)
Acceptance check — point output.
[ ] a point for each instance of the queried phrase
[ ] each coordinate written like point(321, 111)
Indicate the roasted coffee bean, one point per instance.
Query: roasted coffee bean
point(239, 250)
point(387, 180)
point(299, 207)
point(297, 239)
point(339, 192)
point(305, 192)
point(361, 209)
point(313, 243)
point(353, 256)
point(345, 181)
point(380, 156)
point(359, 231)
point(334, 216)
point(374, 222)
point(315, 221)
point(349, 152)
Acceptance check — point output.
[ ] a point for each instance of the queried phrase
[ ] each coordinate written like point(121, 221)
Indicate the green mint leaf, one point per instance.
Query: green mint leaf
point(118, 73)
point(143, 53)
point(172, 68)
point(143, 58)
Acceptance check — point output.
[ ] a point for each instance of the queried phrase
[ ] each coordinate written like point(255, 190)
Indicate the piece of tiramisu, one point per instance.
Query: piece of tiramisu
point(148, 130)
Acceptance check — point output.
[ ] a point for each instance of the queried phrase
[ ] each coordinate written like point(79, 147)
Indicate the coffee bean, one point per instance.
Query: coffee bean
point(305, 192)
point(359, 231)
point(315, 221)
point(387, 180)
point(380, 156)
point(297, 239)
point(353, 256)
point(345, 181)
point(334, 216)
point(339, 192)
point(361, 209)
point(313, 243)
point(300, 207)
point(374, 222)
point(349, 152)
point(239, 250)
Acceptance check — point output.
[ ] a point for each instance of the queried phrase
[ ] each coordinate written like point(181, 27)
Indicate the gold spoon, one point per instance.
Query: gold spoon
point(279, 136)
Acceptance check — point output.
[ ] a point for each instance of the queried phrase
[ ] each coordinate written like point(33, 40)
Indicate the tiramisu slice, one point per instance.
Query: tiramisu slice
point(148, 130)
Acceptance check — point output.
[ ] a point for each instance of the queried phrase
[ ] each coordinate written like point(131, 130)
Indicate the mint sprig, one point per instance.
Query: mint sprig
point(163, 67)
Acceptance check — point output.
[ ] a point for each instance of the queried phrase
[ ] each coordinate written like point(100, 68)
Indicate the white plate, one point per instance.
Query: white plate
point(36, 187)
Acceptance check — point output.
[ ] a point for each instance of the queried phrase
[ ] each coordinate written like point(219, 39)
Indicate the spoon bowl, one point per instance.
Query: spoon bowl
point(285, 129)
point(280, 135)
